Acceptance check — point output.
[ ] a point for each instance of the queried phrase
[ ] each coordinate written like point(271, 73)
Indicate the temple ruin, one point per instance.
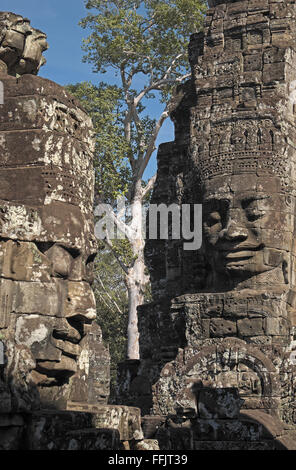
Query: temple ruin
point(217, 367)
point(217, 344)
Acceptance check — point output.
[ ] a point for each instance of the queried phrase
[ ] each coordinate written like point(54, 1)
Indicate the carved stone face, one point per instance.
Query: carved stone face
point(21, 46)
point(47, 242)
point(243, 221)
point(45, 286)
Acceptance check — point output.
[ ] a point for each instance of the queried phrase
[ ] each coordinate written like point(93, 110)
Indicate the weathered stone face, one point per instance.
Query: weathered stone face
point(47, 242)
point(54, 367)
point(21, 46)
point(49, 302)
point(243, 228)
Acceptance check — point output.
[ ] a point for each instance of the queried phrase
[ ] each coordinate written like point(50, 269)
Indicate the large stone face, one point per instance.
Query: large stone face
point(47, 243)
point(219, 335)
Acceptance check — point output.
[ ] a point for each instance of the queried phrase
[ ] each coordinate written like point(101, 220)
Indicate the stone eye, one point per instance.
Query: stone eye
point(254, 214)
point(252, 211)
point(213, 219)
point(61, 258)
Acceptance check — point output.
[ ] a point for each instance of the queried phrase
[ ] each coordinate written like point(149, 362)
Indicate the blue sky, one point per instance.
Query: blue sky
point(59, 20)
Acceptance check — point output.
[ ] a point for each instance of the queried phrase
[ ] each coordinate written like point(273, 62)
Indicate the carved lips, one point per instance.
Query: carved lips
point(241, 255)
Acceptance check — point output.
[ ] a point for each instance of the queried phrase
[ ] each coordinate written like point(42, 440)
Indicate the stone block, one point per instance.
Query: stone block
point(219, 327)
point(38, 297)
point(57, 430)
point(125, 419)
point(273, 72)
point(92, 439)
point(49, 430)
point(227, 430)
point(6, 289)
point(253, 62)
point(11, 438)
point(276, 326)
point(250, 327)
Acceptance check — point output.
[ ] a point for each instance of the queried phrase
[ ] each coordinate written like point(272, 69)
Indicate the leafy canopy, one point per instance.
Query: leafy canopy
point(104, 104)
point(141, 36)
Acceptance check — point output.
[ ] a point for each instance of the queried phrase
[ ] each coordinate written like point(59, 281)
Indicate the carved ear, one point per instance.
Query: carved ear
point(285, 268)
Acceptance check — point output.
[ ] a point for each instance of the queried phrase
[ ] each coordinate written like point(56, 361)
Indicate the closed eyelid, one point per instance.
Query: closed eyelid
point(215, 204)
point(216, 199)
point(248, 200)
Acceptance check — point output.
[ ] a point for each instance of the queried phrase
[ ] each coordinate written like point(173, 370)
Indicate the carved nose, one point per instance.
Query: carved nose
point(31, 50)
point(234, 232)
point(80, 302)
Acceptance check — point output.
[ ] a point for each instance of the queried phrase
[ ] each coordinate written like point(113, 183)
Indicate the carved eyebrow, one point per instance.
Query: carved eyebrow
point(216, 199)
point(247, 200)
point(74, 252)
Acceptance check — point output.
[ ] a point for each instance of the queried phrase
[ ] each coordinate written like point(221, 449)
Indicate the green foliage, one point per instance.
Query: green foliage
point(110, 293)
point(104, 104)
point(142, 35)
point(144, 45)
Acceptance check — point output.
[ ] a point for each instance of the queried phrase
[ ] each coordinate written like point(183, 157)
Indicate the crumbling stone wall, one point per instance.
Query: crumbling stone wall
point(217, 368)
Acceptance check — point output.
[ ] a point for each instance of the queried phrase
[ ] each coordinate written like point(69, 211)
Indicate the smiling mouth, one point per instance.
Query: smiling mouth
point(241, 261)
point(241, 254)
point(57, 372)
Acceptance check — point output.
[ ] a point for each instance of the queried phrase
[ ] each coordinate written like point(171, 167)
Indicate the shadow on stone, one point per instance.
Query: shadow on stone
point(219, 423)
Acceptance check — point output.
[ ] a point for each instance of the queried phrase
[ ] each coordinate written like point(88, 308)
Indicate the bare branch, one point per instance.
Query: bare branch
point(149, 185)
point(108, 242)
point(169, 69)
point(183, 77)
point(151, 144)
point(108, 295)
point(159, 84)
point(104, 301)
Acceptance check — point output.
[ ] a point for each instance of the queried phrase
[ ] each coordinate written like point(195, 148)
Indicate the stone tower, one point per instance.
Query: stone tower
point(47, 245)
point(217, 366)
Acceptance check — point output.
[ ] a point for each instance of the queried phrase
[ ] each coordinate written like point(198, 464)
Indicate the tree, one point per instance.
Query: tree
point(112, 308)
point(144, 45)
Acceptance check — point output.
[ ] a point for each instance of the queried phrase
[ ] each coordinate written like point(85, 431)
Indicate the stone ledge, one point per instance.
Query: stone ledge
point(126, 419)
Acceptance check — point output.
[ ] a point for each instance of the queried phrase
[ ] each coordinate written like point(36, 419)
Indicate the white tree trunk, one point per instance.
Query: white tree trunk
point(136, 279)
point(135, 296)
